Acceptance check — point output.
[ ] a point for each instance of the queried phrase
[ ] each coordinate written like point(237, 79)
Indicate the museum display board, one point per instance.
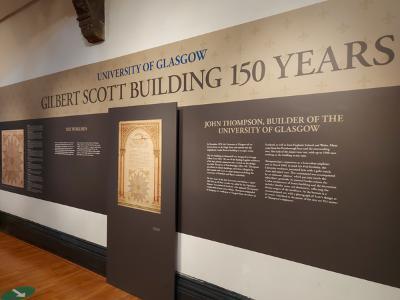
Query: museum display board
point(22, 164)
point(62, 160)
point(307, 172)
point(141, 206)
point(77, 164)
point(312, 179)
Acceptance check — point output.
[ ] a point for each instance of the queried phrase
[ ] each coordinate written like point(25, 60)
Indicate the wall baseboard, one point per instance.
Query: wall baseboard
point(93, 257)
point(81, 252)
point(189, 288)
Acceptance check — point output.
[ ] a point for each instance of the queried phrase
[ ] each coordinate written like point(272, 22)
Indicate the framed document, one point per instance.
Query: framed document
point(12, 157)
point(139, 164)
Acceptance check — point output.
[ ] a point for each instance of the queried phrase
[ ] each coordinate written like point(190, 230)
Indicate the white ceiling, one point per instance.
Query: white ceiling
point(8, 7)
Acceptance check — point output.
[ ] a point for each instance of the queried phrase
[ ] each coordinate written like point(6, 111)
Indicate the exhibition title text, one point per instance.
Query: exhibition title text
point(358, 54)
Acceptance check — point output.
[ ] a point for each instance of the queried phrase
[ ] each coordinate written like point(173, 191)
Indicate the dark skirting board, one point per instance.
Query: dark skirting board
point(141, 254)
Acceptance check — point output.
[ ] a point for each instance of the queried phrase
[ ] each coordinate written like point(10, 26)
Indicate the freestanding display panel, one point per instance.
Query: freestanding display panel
point(141, 206)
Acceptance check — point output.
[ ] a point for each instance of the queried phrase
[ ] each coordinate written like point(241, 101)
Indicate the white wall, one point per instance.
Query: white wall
point(81, 223)
point(266, 277)
point(45, 38)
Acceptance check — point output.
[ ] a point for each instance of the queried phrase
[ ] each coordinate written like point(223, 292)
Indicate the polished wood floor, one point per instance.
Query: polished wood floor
point(22, 264)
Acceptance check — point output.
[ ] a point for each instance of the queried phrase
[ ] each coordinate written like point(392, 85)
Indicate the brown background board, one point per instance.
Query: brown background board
point(358, 237)
point(141, 253)
point(79, 182)
point(23, 124)
point(73, 180)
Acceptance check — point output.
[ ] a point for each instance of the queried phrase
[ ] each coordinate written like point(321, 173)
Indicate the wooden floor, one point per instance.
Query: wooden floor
point(22, 264)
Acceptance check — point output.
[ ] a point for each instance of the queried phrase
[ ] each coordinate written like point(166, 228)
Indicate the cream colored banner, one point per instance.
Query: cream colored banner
point(332, 46)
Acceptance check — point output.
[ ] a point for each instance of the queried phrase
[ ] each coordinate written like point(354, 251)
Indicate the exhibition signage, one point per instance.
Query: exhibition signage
point(141, 205)
point(41, 158)
point(305, 178)
point(305, 169)
point(305, 51)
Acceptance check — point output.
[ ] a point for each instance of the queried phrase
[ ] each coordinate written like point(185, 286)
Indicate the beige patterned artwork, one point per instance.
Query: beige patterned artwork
point(12, 157)
point(139, 165)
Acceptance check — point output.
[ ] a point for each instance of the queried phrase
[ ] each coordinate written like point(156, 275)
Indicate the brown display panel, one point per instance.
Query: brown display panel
point(27, 160)
point(141, 252)
point(76, 161)
point(327, 198)
point(63, 160)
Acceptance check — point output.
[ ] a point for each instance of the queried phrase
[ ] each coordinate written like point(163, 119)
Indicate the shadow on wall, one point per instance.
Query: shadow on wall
point(28, 34)
point(43, 15)
point(11, 8)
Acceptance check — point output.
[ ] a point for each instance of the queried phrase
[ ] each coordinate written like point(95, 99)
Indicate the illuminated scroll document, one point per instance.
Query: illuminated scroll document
point(12, 157)
point(139, 165)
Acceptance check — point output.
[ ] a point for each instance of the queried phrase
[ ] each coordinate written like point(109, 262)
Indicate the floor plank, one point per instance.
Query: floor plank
point(22, 264)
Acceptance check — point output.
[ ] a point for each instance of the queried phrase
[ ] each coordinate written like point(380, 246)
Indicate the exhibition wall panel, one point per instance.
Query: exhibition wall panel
point(63, 160)
point(331, 49)
point(304, 178)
